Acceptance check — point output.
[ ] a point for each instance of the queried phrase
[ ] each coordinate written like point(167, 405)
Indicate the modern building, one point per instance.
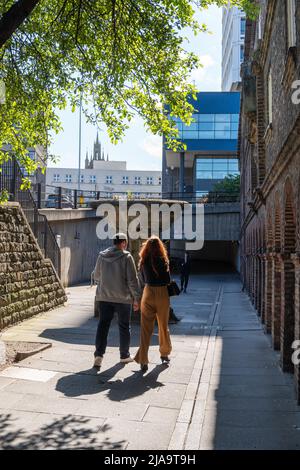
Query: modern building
point(210, 156)
point(270, 174)
point(39, 155)
point(233, 38)
point(211, 146)
point(104, 176)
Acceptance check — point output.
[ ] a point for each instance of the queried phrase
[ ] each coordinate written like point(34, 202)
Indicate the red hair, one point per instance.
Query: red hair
point(152, 249)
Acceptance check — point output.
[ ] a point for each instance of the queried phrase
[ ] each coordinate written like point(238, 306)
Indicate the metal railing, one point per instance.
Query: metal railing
point(10, 181)
point(58, 197)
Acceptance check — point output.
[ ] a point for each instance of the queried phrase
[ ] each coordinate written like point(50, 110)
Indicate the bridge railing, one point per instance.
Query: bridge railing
point(10, 182)
point(59, 197)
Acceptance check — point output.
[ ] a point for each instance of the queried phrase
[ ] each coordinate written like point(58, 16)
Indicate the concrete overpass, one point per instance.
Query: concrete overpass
point(75, 230)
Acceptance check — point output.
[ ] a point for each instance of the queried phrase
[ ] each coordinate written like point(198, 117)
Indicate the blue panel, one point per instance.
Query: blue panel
point(215, 126)
point(217, 102)
point(206, 145)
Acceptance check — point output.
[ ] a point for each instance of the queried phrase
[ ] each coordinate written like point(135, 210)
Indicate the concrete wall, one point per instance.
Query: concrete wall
point(78, 241)
point(222, 222)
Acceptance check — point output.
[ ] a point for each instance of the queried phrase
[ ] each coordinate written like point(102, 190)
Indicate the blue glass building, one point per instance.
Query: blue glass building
point(211, 146)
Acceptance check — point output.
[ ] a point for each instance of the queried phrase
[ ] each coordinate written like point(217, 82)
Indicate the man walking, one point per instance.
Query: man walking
point(185, 270)
point(117, 290)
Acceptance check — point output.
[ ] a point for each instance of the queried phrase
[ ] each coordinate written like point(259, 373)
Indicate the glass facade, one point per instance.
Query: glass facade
point(243, 27)
point(209, 171)
point(210, 127)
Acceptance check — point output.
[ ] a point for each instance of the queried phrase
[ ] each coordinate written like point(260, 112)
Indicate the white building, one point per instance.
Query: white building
point(104, 176)
point(233, 38)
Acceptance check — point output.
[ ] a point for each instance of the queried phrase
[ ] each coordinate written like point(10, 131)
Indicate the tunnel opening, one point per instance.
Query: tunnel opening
point(214, 257)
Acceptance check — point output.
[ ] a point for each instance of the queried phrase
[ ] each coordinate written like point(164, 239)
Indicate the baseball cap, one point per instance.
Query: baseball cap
point(120, 237)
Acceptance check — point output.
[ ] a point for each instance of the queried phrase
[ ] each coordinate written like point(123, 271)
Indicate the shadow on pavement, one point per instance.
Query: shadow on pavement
point(85, 334)
point(85, 384)
point(63, 433)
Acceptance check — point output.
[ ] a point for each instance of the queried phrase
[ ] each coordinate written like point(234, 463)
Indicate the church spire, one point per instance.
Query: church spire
point(97, 148)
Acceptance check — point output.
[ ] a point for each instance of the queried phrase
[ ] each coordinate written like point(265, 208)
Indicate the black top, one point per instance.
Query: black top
point(185, 267)
point(158, 277)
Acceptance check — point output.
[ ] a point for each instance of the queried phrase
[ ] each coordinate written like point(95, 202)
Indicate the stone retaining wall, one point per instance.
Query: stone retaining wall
point(28, 282)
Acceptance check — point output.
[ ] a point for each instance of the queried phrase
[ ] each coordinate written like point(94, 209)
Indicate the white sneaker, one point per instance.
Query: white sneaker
point(127, 360)
point(98, 361)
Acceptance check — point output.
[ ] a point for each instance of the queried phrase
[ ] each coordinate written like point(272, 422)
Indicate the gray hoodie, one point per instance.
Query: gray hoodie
point(116, 276)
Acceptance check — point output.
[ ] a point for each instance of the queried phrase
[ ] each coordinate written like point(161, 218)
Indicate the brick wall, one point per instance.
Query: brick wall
point(270, 233)
point(28, 283)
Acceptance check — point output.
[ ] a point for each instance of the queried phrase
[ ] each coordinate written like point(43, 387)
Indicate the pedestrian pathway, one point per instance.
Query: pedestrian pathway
point(223, 389)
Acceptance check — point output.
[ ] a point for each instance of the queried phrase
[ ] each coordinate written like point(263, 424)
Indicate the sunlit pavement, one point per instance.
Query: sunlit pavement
point(223, 389)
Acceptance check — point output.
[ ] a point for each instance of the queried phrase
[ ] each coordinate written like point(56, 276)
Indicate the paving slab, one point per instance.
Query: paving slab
point(223, 389)
point(26, 373)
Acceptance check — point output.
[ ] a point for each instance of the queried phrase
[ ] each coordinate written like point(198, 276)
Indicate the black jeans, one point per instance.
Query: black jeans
point(184, 281)
point(107, 310)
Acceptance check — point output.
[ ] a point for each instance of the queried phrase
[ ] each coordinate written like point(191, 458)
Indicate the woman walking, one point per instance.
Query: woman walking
point(155, 275)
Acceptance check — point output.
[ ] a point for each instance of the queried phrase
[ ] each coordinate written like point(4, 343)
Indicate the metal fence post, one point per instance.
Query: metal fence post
point(59, 198)
point(13, 185)
point(75, 198)
point(39, 195)
point(35, 222)
point(46, 237)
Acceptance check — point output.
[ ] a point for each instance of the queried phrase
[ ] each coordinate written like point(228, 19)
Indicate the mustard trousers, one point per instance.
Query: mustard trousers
point(155, 304)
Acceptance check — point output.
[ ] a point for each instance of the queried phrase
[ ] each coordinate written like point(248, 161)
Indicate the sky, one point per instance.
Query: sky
point(141, 149)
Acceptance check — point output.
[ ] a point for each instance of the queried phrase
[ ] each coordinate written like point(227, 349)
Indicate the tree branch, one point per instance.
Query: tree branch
point(14, 17)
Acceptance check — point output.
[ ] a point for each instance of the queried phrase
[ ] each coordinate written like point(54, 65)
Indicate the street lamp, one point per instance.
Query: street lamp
point(79, 143)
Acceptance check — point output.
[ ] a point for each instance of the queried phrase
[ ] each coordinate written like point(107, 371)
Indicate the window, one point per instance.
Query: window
point(108, 179)
point(125, 180)
point(81, 178)
point(68, 178)
point(159, 180)
point(149, 180)
point(31, 154)
point(211, 170)
point(242, 54)
point(93, 179)
point(222, 117)
point(190, 135)
point(206, 135)
point(222, 135)
point(137, 180)
point(270, 98)
point(291, 23)
point(222, 126)
point(56, 178)
point(259, 34)
point(211, 126)
point(206, 117)
point(243, 26)
point(206, 126)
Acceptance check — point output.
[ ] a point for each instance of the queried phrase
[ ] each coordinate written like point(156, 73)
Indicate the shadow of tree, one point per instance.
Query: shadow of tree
point(63, 433)
point(80, 384)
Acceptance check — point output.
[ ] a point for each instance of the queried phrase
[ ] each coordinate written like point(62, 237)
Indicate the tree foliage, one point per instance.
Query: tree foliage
point(229, 185)
point(121, 56)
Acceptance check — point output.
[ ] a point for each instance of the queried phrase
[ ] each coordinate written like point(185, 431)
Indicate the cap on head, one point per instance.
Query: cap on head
point(119, 238)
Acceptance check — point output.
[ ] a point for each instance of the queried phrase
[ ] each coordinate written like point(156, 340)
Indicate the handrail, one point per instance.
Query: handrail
point(59, 197)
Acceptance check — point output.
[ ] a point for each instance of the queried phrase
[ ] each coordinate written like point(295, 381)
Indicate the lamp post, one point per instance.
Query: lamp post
point(79, 143)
